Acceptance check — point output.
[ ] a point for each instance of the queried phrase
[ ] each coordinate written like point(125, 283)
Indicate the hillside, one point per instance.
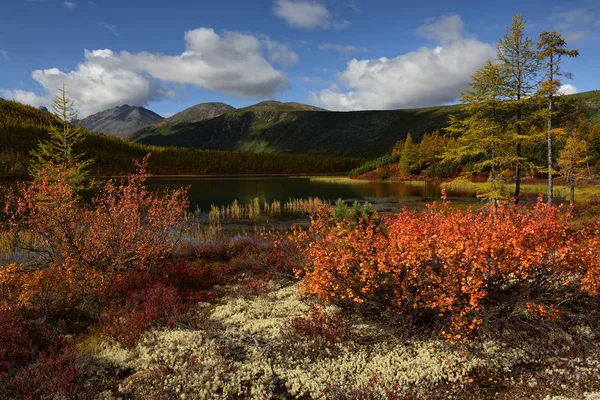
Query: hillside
point(282, 128)
point(273, 127)
point(21, 127)
point(120, 121)
point(589, 104)
point(199, 112)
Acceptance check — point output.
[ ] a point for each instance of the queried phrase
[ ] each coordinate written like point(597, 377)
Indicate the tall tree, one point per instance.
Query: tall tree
point(59, 149)
point(518, 59)
point(409, 158)
point(572, 161)
point(482, 134)
point(552, 47)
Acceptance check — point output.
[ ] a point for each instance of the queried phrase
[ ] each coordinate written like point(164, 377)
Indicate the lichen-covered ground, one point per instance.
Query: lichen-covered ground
point(278, 344)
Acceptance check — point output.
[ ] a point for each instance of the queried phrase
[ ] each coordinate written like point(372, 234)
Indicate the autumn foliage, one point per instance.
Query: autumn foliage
point(448, 268)
point(82, 247)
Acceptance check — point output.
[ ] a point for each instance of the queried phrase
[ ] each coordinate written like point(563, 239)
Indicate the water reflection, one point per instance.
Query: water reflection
point(224, 190)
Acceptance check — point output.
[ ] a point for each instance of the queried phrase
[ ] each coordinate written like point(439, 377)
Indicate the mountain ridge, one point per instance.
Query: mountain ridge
point(294, 128)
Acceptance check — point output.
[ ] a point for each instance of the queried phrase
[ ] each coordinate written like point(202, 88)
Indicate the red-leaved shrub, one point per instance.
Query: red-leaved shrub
point(445, 267)
point(156, 306)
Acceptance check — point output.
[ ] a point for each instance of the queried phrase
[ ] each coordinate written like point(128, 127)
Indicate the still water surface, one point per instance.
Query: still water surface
point(384, 195)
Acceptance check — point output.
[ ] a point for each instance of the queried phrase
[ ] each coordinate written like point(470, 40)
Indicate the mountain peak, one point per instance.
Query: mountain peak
point(199, 112)
point(120, 120)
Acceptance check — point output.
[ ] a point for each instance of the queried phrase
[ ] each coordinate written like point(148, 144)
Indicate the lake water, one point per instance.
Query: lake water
point(383, 195)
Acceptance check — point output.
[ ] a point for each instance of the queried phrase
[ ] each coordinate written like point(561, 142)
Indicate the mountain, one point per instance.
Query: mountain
point(199, 112)
point(120, 121)
point(22, 127)
point(274, 127)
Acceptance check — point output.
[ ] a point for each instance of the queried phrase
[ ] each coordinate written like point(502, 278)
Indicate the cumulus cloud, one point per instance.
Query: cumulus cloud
point(567, 88)
point(426, 77)
point(280, 53)
point(307, 14)
point(341, 48)
point(234, 63)
point(24, 97)
point(69, 5)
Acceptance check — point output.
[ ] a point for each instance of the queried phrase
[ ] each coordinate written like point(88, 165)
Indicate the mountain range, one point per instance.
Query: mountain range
point(293, 128)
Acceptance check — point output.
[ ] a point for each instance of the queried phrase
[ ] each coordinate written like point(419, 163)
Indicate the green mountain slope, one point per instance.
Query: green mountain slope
point(273, 127)
point(360, 134)
point(21, 128)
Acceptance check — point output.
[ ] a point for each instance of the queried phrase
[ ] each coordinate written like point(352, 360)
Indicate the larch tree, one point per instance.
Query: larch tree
point(520, 64)
point(572, 161)
point(59, 148)
point(482, 135)
point(552, 48)
point(409, 158)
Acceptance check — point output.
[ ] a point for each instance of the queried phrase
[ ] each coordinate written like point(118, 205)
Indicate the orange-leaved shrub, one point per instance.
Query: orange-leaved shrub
point(87, 245)
point(446, 268)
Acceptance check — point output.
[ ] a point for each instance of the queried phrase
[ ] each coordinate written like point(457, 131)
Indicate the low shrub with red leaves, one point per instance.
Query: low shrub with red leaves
point(317, 323)
point(156, 306)
point(21, 340)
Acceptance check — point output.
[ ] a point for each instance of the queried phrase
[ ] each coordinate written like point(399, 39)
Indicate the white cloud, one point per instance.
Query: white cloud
point(443, 30)
point(307, 14)
point(69, 5)
point(25, 97)
point(340, 48)
point(567, 88)
point(426, 77)
point(111, 28)
point(5, 54)
point(280, 53)
point(233, 63)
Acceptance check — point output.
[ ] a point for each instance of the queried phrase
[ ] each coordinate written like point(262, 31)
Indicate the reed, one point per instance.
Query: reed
point(253, 210)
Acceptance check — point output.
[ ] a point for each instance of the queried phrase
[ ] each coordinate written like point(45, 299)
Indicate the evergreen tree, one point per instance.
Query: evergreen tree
point(409, 159)
point(59, 149)
point(552, 47)
point(482, 135)
point(520, 66)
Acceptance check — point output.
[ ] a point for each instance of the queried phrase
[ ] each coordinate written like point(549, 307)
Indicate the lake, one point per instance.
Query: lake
point(385, 196)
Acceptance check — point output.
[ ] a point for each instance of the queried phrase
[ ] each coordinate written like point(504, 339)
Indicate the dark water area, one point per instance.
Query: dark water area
point(204, 192)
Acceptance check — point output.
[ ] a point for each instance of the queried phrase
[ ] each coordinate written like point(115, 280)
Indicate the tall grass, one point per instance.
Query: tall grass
point(254, 210)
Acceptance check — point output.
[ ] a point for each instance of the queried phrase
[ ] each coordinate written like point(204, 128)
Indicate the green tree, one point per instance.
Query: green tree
point(59, 148)
point(409, 159)
point(517, 57)
point(431, 147)
point(483, 137)
point(552, 47)
point(572, 161)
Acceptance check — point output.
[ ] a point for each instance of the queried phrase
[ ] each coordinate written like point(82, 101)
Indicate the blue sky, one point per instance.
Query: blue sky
point(338, 54)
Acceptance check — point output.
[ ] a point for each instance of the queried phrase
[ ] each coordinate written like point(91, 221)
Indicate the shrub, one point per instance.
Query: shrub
point(125, 228)
point(444, 268)
point(22, 340)
point(156, 306)
point(318, 323)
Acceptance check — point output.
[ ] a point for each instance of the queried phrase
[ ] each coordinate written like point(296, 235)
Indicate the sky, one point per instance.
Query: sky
point(336, 54)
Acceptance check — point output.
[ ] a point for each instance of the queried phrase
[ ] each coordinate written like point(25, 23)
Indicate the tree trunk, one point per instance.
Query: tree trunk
point(518, 175)
point(572, 191)
point(550, 151)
